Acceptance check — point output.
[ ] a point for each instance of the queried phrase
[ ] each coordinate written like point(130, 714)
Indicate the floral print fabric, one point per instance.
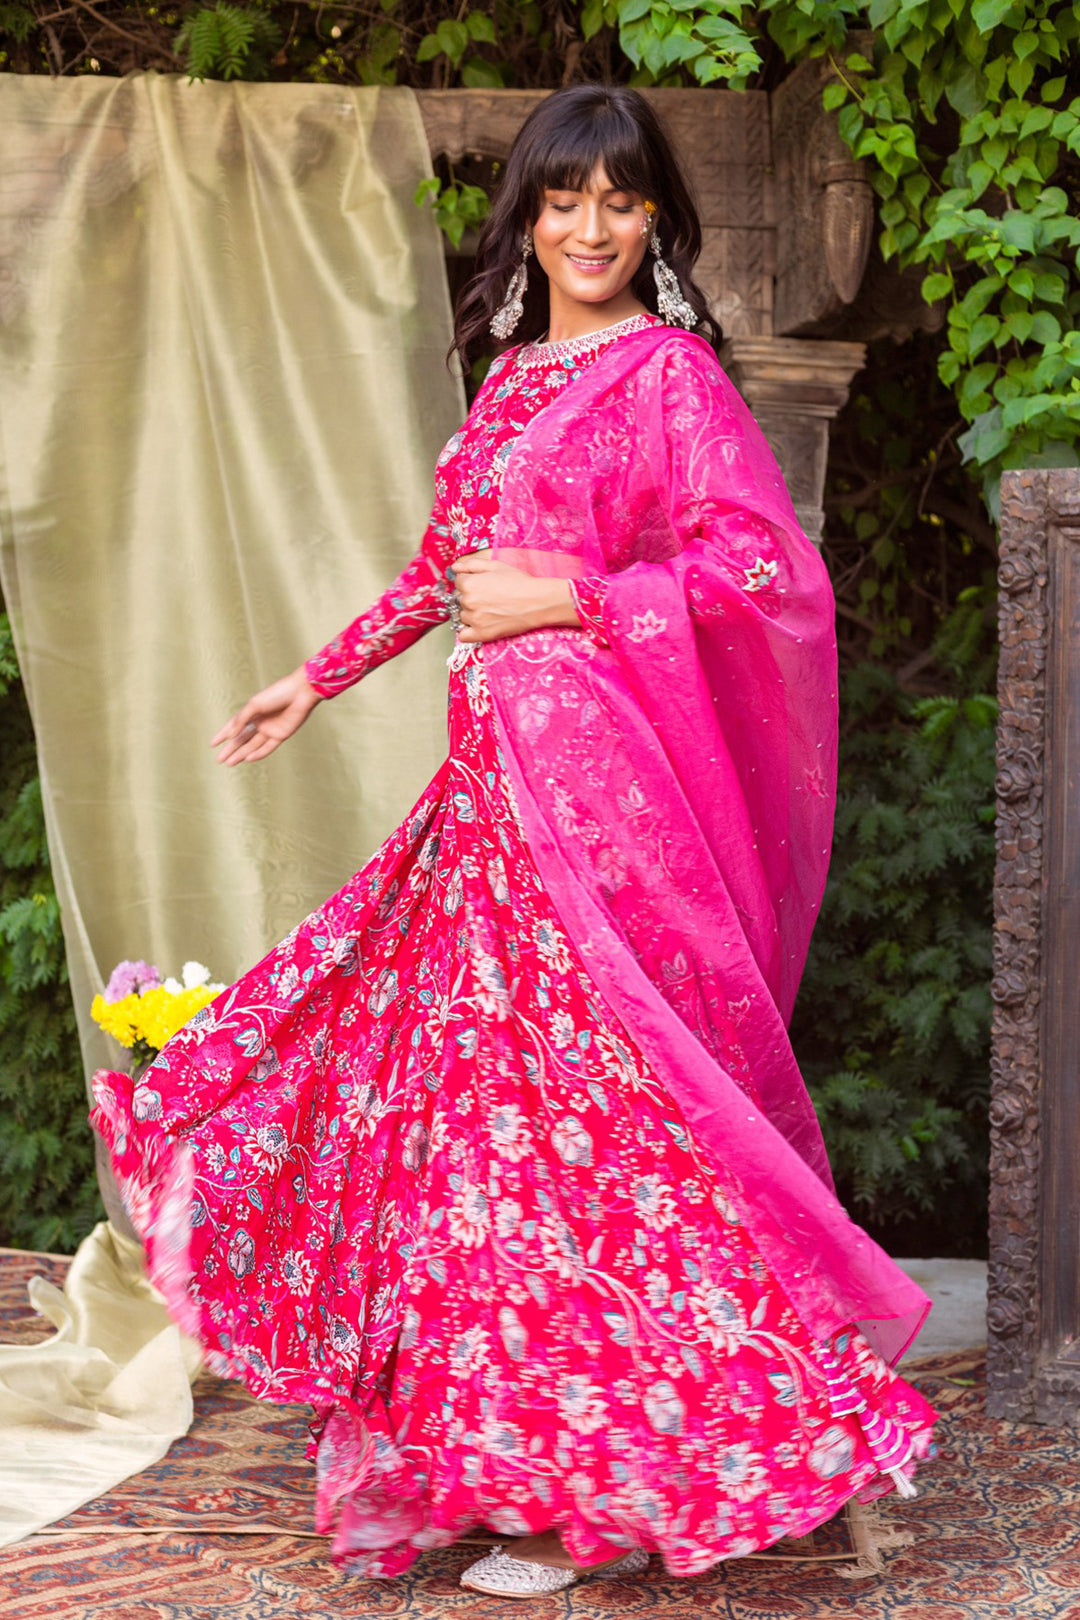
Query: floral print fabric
point(412, 1170)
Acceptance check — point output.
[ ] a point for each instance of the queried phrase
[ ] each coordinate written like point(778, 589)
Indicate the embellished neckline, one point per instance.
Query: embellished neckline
point(541, 352)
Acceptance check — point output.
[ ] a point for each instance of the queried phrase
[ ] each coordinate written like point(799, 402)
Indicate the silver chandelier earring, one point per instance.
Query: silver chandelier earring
point(512, 308)
point(670, 302)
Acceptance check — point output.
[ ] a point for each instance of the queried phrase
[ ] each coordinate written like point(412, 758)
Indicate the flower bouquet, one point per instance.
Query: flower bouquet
point(142, 1011)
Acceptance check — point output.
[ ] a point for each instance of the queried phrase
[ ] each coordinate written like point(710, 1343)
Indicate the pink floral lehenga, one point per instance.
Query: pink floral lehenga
point(415, 1169)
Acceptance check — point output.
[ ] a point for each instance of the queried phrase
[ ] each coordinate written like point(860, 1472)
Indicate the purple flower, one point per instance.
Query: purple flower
point(130, 979)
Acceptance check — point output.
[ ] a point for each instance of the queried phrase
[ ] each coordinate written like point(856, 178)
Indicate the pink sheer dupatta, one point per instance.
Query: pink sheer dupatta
point(675, 767)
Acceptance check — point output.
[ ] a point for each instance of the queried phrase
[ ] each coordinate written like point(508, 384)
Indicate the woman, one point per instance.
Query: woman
point(501, 1158)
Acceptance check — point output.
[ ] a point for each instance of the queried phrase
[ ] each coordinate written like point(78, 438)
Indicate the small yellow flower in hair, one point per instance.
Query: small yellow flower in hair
point(650, 208)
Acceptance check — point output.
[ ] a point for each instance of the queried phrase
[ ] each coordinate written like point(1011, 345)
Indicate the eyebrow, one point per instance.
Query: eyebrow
point(578, 191)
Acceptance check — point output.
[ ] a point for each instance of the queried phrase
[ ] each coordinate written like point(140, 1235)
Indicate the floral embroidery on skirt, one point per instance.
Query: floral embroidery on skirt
point(411, 1170)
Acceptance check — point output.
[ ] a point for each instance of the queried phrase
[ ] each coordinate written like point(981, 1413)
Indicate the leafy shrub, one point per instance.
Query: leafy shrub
point(892, 1026)
point(48, 1193)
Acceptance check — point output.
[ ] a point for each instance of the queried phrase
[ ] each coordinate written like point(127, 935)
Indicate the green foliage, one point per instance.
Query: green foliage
point(458, 207)
point(706, 40)
point(48, 1194)
point(227, 42)
point(893, 1021)
point(17, 21)
point(908, 540)
point(965, 115)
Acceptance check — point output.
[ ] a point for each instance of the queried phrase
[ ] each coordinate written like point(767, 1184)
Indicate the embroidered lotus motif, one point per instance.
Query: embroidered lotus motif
point(761, 576)
point(815, 782)
point(646, 625)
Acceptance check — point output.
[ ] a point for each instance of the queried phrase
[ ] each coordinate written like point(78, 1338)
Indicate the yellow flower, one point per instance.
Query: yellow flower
point(117, 1018)
point(153, 1017)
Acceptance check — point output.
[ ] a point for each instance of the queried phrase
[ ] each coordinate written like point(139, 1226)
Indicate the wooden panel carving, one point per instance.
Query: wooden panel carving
point(825, 207)
point(1034, 1286)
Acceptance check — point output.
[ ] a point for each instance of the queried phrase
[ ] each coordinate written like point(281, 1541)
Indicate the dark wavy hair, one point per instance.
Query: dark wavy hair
point(557, 148)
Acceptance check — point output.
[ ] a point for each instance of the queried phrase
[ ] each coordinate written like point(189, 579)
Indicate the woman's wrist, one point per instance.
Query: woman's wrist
point(555, 606)
point(307, 687)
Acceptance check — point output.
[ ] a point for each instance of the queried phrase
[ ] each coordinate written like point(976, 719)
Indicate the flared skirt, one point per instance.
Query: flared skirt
point(411, 1169)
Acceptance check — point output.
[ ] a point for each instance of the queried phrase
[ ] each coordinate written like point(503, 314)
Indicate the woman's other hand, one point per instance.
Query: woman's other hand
point(497, 600)
point(266, 720)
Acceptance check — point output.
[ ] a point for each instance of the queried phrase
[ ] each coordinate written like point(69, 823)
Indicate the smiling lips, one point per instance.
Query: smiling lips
point(591, 267)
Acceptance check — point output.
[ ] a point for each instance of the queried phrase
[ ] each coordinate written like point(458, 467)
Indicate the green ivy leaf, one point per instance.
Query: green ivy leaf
point(974, 386)
point(1045, 328)
point(987, 14)
point(983, 331)
point(592, 18)
point(936, 286)
point(480, 75)
point(1050, 286)
point(453, 38)
point(481, 27)
point(966, 93)
point(1018, 230)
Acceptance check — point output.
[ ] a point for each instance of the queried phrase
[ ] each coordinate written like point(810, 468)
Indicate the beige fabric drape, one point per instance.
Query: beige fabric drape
point(100, 1400)
point(222, 390)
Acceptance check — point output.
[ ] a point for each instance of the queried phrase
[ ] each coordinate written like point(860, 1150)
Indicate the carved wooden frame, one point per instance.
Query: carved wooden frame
point(1034, 1285)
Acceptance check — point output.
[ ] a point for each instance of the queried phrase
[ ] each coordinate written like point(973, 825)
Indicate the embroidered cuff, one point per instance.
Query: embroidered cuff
point(331, 670)
point(589, 595)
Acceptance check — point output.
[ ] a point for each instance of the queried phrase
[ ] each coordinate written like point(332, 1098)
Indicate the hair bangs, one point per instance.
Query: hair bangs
point(600, 135)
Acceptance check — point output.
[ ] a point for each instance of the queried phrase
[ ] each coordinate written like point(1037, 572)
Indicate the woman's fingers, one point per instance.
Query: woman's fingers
point(249, 746)
point(476, 562)
point(236, 750)
point(230, 729)
point(266, 720)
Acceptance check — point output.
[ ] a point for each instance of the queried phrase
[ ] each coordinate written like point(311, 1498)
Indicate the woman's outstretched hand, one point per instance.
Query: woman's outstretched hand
point(266, 720)
point(497, 600)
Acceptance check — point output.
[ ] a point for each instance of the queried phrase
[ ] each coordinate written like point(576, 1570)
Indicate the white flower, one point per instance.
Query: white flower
point(174, 987)
point(508, 1217)
point(616, 1059)
point(572, 1141)
point(742, 1473)
point(719, 1318)
point(298, 1270)
point(492, 996)
point(470, 1218)
point(496, 876)
point(562, 1252)
point(470, 1351)
point(510, 1134)
point(581, 1405)
point(562, 1030)
point(657, 1288)
point(194, 974)
point(552, 946)
point(654, 1203)
point(646, 625)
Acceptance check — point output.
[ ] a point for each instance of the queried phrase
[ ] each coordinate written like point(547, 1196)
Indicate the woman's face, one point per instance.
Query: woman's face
point(590, 242)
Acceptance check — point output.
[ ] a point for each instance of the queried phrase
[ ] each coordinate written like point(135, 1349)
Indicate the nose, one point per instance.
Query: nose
point(592, 228)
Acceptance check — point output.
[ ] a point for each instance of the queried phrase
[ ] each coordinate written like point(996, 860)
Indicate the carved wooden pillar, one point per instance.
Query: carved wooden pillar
point(1033, 1316)
point(795, 386)
point(824, 206)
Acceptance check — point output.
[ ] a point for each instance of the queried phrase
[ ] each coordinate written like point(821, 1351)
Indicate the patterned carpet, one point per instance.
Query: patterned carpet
point(997, 1523)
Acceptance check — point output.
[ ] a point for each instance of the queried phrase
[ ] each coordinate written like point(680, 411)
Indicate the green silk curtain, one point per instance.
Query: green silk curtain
point(223, 322)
